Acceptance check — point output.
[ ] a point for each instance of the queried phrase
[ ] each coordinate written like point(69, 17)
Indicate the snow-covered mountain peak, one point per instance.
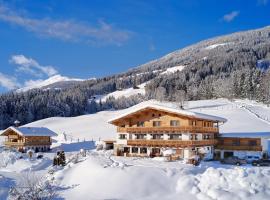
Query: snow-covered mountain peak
point(34, 84)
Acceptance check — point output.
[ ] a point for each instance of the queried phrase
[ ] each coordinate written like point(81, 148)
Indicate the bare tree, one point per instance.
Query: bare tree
point(33, 187)
point(180, 98)
point(160, 93)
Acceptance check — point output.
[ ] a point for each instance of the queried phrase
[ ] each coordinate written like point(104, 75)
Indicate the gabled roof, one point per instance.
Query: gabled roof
point(169, 109)
point(30, 131)
point(246, 135)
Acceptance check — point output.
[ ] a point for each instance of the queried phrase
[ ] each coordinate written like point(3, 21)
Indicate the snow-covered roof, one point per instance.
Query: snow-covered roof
point(167, 107)
point(31, 131)
point(247, 134)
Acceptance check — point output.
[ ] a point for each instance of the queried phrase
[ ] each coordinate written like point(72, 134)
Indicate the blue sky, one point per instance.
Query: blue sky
point(84, 39)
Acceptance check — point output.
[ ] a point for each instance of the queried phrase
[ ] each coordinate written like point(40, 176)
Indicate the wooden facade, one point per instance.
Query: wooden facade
point(14, 139)
point(239, 144)
point(148, 131)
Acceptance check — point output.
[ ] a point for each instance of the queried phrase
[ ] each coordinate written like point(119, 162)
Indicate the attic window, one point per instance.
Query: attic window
point(153, 115)
point(159, 115)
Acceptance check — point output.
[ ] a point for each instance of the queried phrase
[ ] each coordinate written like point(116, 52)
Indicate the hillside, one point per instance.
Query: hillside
point(231, 66)
point(95, 126)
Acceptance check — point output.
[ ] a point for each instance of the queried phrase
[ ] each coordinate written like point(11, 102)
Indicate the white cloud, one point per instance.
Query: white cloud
point(262, 2)
point(31, 66)
point(32, 83)
point(66, 29)
point(230, 16)
point(8, 82)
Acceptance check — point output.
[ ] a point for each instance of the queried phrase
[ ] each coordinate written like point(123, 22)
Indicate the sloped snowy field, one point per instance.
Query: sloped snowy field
point(101, 176)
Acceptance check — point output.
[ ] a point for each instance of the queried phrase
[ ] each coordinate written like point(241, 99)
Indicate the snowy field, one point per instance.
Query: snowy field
point(102, 176)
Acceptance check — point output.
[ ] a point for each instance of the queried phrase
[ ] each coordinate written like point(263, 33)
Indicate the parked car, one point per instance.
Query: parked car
point(261, 162)
point(250, 159)
point(233, 161)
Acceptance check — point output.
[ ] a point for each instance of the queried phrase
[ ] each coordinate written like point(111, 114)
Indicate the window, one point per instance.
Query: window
point(156, 123)
point(140, 136)
point(153, 115)
point(134, 150)
point(193, 123)
point(140, 124)
point(252, 142)
point(174, 123)
point(157, 136)
point(143, 150)
point(206, 137)
point(175, 136)
point(122, 136)
point(236, 142)
point(126, 149)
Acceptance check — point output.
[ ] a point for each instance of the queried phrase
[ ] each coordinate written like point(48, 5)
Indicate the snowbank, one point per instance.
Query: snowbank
point(227, 184)
point(134, 178)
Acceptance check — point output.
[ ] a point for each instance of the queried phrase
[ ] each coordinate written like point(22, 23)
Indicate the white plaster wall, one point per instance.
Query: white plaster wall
point(185, 136)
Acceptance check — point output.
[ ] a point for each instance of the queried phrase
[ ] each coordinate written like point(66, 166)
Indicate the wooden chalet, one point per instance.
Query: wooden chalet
point(25, 138)
point(149, 130)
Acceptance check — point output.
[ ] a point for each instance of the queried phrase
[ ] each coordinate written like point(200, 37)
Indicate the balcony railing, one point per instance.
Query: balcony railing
point(171, 143)
point(239, 147)
point(28, 143)
point(191, 129)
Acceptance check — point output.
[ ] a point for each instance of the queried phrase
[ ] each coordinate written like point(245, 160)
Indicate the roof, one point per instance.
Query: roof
point(170, 108)
point(247, 135)
point(31, 131)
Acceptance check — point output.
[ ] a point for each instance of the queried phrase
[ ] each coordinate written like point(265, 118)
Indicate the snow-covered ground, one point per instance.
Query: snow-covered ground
point(96, 126)
point(102, 176)
point(213, 46)
point(173, 69)
point(123, 93)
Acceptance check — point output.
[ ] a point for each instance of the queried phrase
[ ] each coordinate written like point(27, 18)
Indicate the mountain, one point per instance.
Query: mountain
point(230, 66)
point(54, 82)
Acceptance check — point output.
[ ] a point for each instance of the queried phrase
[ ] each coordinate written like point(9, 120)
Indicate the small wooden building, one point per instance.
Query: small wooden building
point(243, 145)
point(25, 138)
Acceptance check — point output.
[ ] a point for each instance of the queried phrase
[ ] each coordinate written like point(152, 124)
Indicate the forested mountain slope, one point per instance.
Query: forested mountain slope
point(231, 66)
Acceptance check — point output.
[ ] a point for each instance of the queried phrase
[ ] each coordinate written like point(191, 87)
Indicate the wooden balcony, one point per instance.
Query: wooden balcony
point(171, 143)
point(239, 147)
point(32, 143)
point(170, 129)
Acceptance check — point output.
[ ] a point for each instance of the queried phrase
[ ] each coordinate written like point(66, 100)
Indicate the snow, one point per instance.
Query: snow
point(102, 176)
point(43, 83)
point(173, 69)
point(168, 108)
point(248, 135)
point(213, 46)
point(92, 126)
point(145, 178)
point(123, 93)
point(31, 131)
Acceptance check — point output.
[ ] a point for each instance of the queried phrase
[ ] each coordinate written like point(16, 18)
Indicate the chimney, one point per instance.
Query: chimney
point(17, 123)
